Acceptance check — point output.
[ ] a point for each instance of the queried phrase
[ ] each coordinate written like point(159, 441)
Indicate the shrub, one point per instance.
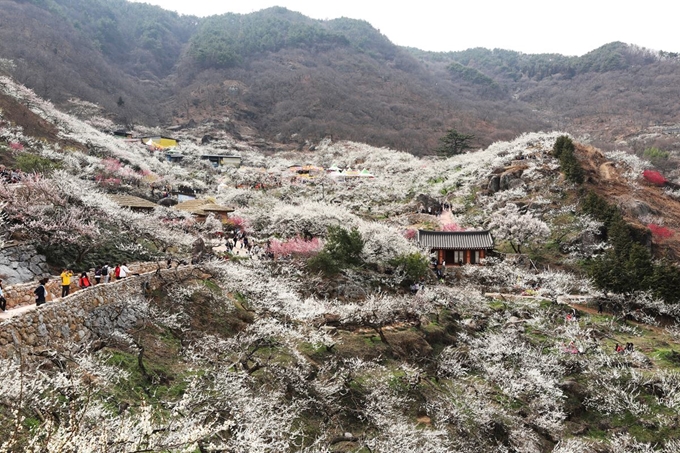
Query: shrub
point(32, 163)
point(655, 154)
point(654, 177)
point(235, 223)
point(343, 249)
point(344, 246)
point(660, 232)
point(324, 262)
point(413, 265)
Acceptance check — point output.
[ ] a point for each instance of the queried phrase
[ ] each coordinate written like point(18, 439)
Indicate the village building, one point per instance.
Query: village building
point(134, 203)
point(174, 157)
point(160, 141)
point(219, 160)
point(456, 248)
point(200, 209)
point(122, 133)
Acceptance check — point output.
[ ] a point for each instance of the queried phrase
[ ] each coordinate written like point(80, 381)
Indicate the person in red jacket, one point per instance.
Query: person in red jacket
point(116, 272)
point(84, 280)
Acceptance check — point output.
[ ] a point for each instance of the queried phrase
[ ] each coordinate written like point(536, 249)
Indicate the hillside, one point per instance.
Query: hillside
point(614, 93)
point(278, 75)
point(313, 340)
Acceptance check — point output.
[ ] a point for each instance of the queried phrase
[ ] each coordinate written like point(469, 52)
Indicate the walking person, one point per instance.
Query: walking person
point(97, 275)
point(40, 293)
point(3, 301)
point(106, 272)
point(124, 271)
point(84, 281)
point(116, 271)
point(66, 275)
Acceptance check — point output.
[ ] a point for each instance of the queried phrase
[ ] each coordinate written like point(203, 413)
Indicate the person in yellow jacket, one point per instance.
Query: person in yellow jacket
point(65, 282)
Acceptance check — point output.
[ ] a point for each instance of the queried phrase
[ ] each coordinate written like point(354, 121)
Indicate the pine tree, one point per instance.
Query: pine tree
point(454, 142)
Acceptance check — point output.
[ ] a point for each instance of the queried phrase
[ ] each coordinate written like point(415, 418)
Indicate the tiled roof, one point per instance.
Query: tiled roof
point(210, 207)
point(129, 201)
point(457, 240)
point(202, 207)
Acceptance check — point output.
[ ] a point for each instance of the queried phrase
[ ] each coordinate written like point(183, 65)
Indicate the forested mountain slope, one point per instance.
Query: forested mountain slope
point(293, 80)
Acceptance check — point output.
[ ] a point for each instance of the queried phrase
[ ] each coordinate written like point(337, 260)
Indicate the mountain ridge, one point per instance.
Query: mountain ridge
point(295, 80)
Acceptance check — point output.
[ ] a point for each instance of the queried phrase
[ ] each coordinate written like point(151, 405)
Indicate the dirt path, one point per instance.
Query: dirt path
point(446, 218)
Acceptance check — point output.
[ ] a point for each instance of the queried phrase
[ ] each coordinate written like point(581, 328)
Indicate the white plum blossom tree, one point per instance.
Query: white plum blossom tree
point(517, 228)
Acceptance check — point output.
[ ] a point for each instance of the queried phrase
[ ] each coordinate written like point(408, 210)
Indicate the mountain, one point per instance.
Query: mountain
point(294, 80)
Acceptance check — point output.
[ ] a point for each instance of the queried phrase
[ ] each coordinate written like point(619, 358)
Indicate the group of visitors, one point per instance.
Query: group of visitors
point(435, 209)
point(102, 274)
point(572, 317)
point(417, 286)
point(9, 175)
point(620, 349)
point(440, 270)
point(163, 192)
point(240, 240)
point(571, 348)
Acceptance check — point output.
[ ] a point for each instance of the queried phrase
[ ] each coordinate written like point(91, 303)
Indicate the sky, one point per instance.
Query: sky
point(531, 26)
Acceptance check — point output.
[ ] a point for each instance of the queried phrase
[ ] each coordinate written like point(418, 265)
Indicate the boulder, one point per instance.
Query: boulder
point(514, 183)
point(494, 184)
point(638, 208)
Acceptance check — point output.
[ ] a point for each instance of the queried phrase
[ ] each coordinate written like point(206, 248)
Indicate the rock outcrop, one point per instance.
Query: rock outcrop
point(21, 263)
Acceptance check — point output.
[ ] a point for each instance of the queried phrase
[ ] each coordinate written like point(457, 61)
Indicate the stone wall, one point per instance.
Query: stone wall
point(22, 294)
point(83, 316)
point(20, 262)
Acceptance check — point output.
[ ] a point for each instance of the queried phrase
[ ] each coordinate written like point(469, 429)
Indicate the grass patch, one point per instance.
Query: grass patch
point(212, 286)
point(668, 357)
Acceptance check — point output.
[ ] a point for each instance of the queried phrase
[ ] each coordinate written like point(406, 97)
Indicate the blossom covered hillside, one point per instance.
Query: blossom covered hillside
point(310, 319)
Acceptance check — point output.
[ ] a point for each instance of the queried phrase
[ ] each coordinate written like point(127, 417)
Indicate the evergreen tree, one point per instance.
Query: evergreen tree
point(564, 149)
point(561, 142)
point(345, 246)
point(454, 142)
point(665, 282)
point(596, 206)
point(571, 167)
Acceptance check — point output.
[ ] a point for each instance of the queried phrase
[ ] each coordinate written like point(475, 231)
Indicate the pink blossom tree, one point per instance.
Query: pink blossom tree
point(295, 247)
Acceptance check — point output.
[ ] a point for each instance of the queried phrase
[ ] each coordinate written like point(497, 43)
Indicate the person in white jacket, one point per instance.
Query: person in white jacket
point(124, 271)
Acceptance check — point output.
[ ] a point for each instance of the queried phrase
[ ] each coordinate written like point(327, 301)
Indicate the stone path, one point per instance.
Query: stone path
point(21, 309)
point(17, 311)
point(564, 300)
